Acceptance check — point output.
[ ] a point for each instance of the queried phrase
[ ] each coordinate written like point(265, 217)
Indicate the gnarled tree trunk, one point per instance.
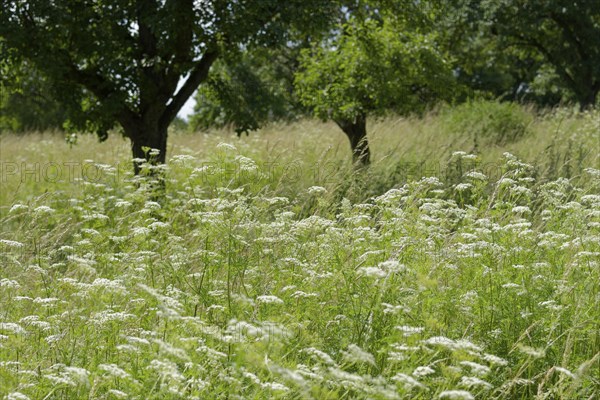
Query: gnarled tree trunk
point(146, 138)
point(356, 131)
point(587, 99)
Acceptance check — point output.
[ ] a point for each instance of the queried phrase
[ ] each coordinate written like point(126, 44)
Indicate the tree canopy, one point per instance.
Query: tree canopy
point(27, 102)
point(121, 62)
point(373, 66)
point(134, 63)
point(565, 33)
point(247, 89)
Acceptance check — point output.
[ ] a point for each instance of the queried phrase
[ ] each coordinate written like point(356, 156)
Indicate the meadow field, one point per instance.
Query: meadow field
point(464, 263)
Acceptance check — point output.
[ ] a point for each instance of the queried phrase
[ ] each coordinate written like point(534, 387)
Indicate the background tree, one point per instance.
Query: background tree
point(120, 61)
point(481, 62)
point(373, 66)
point(27, 102)
point(565, 33)
point(250, 88)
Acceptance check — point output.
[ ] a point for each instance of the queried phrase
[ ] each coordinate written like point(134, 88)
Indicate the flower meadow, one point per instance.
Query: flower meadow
point(480, 288)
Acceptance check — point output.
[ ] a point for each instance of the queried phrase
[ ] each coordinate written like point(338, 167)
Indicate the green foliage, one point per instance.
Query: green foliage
point(373, 67)
point(563, 32)
point(248, 89)
point(120, 62)
point(488, 121)
point(479, 59)
point(27, 101)
point(488, 288)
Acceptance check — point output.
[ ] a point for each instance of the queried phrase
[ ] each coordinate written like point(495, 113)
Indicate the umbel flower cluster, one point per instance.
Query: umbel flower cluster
point(479, 289)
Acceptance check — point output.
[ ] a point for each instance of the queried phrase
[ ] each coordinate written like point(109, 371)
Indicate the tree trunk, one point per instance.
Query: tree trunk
point(588, 99)
point(146, 139)
point(144, 146)
point(357, 134)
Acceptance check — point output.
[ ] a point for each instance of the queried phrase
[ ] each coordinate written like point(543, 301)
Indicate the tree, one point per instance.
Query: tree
point(564, 32)
point(120, 62)
point(248, 89)
point(373, 66)
point(480, 62)
point(26, 101)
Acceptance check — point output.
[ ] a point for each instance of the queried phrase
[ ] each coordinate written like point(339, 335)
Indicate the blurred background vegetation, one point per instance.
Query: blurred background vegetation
point(542, 55)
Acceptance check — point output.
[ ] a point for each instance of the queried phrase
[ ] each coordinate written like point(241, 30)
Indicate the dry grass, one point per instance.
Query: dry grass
point(561, 143)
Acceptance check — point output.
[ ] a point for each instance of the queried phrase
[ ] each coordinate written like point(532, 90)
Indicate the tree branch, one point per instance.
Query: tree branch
point(553, 61)
point(104, 90)
point(197, 76)
point(570, 35)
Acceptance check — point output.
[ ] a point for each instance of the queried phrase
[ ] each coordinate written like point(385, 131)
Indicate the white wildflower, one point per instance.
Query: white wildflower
point(300, 294)
point(410, 330)
point(408, 381)
point(594, 172)
point(456, 395)
point(275, 386)
point(461, 187)
point(319, 355)
point(106, 316)
point(476, 368)
point(140, 231)
point(591, 199)
point(18, 207)
point(423, 371)
point(152, 205)
point(166, 369)
point(246, 164)
point(104, 283)
point(347, 378)
point(34, 320)
point(11, 327)
point(159, 226)
point(394, 309)
point(550, 305)
point(12, 243)
point(181, 158)
point(371, 272)
point(211, 353)
point(355, 354)
point(317, 190)
point(472, 381)
point(521, 210)
point(431, 180)
point(43, 210)
point(392, 266)
point(226, 146)
point(476, 175)
point(440, 341)
point(277, 201)
point(169, 349)
point(506, 182)
point(16, 396)
point(45, 300)
point(269, 299)
point(54, 338)
point(8, 283)
point(81, 375)
point(118, 394)
point(463, 344)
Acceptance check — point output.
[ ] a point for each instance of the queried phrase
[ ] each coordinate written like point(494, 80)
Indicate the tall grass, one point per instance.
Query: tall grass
point(561, 143)
point(272, 270)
